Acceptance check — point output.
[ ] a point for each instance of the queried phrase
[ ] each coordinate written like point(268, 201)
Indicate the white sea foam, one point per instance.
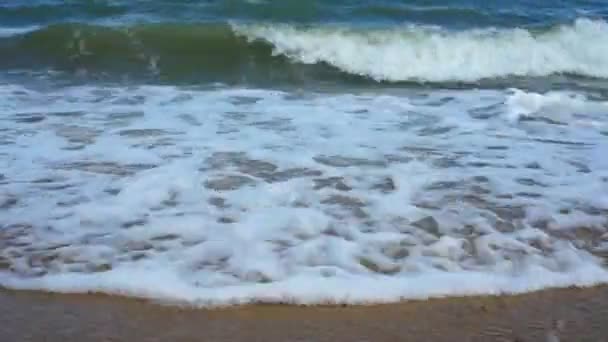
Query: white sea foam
point(14, 31)
point(562, 107)
point(227, 196)
point(429, 54)
point(163, 285)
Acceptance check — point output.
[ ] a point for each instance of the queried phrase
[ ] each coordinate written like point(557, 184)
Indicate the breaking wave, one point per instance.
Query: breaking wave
point(281, 51)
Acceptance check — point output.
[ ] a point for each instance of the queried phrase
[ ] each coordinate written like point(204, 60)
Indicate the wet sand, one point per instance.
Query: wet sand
point(572, 314)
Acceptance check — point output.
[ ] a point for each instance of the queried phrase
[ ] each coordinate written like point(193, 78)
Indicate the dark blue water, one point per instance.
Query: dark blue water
point(454, 14)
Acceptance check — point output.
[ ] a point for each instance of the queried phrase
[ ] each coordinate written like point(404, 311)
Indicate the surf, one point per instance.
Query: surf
point(289, 52)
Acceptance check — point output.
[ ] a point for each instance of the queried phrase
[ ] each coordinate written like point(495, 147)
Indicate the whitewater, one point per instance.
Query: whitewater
point(419, 53)
point(224, 196)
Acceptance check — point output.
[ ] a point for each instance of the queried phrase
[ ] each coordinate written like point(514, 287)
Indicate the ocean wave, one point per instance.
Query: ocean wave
point(281, 51)
point(435, 55)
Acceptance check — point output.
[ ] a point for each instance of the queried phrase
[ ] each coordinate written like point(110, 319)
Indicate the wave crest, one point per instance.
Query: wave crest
point(429, 54)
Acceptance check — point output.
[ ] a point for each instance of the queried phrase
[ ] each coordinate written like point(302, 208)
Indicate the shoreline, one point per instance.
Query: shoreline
point(572, 314)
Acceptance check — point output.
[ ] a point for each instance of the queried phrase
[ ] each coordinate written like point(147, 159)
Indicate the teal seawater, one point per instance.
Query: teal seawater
point(196, 41)
point(448, 13)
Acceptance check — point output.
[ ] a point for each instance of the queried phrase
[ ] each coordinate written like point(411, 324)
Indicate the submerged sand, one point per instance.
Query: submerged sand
point(551, 315)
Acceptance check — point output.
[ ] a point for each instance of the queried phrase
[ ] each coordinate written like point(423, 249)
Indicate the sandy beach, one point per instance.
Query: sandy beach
point(564, 315)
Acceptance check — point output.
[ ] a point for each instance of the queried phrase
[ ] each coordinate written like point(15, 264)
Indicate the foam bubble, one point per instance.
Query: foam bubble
point(227, 196)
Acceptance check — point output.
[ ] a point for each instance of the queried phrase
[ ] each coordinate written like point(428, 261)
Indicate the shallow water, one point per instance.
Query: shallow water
point(564, 315)
point(231, 157)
